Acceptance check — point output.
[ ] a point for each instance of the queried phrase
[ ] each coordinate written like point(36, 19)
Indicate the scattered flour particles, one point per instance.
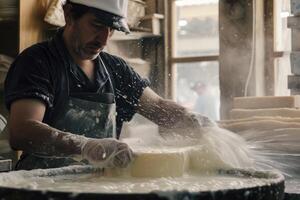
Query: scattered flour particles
point(204, 152)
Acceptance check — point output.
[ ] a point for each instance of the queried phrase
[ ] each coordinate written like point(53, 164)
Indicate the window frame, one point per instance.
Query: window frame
point(172, 60)
point(270, 53)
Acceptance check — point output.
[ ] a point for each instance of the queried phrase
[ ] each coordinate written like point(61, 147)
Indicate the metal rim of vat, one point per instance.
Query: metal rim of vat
point(292, 194)
point(272, 191)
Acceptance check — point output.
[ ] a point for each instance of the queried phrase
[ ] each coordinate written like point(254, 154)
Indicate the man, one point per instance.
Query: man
point(62, 94)
point(206, 103)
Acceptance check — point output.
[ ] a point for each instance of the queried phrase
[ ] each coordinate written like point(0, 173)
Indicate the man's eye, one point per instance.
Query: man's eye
point(98, 25)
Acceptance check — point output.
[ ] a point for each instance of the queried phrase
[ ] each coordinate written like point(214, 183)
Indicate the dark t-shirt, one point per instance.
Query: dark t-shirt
point(46, 72)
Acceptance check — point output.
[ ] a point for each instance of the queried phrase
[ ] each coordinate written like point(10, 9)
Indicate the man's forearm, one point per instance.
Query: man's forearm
point(163, 112)
point(167, 114)
point(45, 141)
point(39, 138)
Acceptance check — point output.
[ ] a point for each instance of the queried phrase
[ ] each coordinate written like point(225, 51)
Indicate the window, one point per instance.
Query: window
point(196, 28)
point(197, 86)
point(193, 56)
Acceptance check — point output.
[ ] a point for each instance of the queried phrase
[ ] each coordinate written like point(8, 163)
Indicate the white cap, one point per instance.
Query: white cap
point(117, 9)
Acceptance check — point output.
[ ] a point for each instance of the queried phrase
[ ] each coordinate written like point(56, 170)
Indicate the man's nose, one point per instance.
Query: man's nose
point(103, 35)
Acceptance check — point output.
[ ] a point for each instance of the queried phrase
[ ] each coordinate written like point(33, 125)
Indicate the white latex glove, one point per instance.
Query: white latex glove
point(108, 153)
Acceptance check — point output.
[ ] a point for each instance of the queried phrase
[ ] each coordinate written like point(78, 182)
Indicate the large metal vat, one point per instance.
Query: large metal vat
point(292, 189)
point(273, 189)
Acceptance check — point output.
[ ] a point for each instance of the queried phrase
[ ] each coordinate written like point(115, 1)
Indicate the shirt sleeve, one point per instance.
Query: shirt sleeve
point(129, 87)
point(29, 77)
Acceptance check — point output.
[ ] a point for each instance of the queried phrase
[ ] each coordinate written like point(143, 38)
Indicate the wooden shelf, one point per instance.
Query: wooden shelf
point(134, 35)
point(8, 21)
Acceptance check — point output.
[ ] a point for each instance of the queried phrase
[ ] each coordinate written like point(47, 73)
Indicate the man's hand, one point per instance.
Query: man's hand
point(191, 124)
point(107, 153)
point(200, 121)
point(170, 116)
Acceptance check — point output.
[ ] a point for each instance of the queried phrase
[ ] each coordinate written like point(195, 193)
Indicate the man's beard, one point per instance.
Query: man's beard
point(80, 50)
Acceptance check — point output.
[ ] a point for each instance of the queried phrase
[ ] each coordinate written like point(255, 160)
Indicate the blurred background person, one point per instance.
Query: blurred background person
point(206, 102)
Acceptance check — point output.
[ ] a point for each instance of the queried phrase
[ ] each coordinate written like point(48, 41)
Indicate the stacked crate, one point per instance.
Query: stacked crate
point(294, 24)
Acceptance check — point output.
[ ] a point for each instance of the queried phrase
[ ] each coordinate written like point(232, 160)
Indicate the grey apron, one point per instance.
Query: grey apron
point(88, 114)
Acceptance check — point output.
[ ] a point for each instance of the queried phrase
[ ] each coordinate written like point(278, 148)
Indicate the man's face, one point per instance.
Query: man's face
point(88, 36)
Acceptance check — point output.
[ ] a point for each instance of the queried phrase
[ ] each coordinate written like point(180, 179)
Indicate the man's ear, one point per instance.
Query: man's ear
point(68, 14)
